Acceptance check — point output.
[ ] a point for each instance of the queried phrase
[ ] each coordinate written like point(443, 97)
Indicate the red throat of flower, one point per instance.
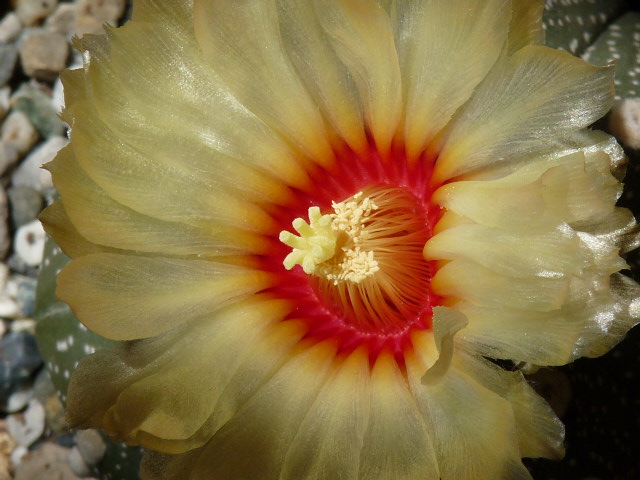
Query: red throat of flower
point(354, 269)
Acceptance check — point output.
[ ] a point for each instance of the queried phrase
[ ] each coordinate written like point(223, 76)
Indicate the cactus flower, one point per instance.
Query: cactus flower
point(312, 225)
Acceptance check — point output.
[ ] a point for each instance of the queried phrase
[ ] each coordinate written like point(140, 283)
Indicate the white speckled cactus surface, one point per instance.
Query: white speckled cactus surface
point(592, 397)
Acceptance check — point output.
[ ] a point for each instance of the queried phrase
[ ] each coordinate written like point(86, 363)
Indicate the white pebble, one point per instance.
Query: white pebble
point(77, 464)
point(91, 445)
point(624, 122)
point(29, 243)
point(18, 131)
point(10, 28)
point(28, 426)
point(30, 173)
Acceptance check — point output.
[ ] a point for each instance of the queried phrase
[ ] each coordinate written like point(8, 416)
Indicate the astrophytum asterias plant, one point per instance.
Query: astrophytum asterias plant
point(312, 224)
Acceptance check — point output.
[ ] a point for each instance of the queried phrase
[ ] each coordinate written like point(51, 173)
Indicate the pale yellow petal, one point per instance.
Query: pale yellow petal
point(57, 224)
point(547, 253)
point(472, 428)
point(103, 221)
point(536, 94)
point(398, 443)
point(540, 432)
point(255, 441)
point(362, 37)
point(446, 48)
point(126, 80)
point(126, 297)
point(163, 392)
point(322, 72)
point(241, 43)
point(526, 24)
point(469, 281)
point(335, 426)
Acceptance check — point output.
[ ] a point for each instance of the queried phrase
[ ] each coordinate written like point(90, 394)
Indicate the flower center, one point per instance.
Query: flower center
point(365, 258)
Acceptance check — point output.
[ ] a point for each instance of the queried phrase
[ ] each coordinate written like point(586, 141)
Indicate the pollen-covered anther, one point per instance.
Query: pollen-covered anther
point(330, 246)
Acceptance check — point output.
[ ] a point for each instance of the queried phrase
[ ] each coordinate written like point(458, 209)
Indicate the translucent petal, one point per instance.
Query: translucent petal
point(397, 443)
point(362, 37)
point(255, 67)
point(540, 432)
point(471, 442)
point(162, 392)
point(526, 24)
point(57, 224)
point(446, 48)
point(536, 94)
point(460, 279)
point(324, 75)
point(103, 221)
point(334, 428)
point(255, 441)
point(125, 297)
point(551, 253)
point(201, 122)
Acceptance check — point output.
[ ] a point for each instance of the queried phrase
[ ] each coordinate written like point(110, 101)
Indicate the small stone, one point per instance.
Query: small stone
point(5, 240)
point(62, 20)
point(30, 172)
point(27, 427)
point(17, 455)
point(27, 325)
point(77, 464)
point(5, 102)
point(8, 57)
point(7, 446)
point(10, 28)
point(19, 399)
point(92, 14)
point(31, 11)
point(19, 359)
point(29, 243)
point(44, 54)
point(25, 204)
point(624, 122)
point(91, 445)
point(8, 156)
point(46, 462)
point(18, 131)
point(37, 104)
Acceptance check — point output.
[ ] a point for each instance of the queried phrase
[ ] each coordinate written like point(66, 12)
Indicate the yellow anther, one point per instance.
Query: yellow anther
point(316, 249)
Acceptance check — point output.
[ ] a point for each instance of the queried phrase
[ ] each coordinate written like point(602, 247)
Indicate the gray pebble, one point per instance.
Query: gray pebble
point(18, 131)
point(38, 106)
point(5, 102)
point(19, 359)
point(19, 399)
point(8, 156)
point(5, 239)
point(8, 57)
point(10, 27)
point(44, 54)
point(30, 173)
point(25, 204)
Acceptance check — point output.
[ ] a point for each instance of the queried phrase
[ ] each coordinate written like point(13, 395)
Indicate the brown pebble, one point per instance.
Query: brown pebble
point(44, 55)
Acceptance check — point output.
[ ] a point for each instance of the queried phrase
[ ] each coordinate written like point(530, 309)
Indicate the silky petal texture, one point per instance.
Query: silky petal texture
point(151, 387)
point(322, 72)
point(103, 221)
point(123, 297)
point(127, 98)
point(56, 223)
point(526, 24)
point(446, 48)
point(535, 94)
point(362, 37)
point(472, 443)
point(540, 431)
point(281, 99)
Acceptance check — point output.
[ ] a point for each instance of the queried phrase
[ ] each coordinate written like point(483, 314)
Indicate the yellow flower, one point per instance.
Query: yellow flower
point(310, 223)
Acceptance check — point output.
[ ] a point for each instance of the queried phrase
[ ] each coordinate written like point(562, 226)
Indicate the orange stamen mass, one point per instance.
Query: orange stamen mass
point(382, 307)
